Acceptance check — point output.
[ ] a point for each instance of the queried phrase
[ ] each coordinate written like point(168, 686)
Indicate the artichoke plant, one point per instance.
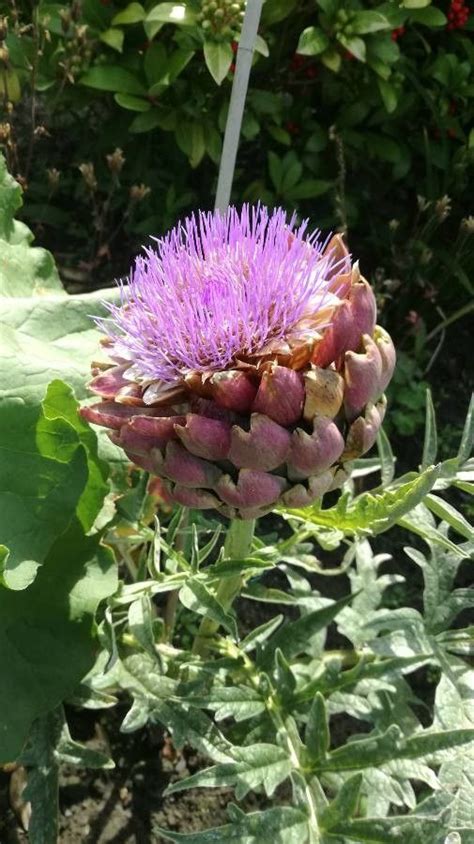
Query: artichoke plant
point(245, 364)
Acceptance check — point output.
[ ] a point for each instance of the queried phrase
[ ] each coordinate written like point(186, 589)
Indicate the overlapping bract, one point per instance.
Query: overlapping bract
point(270, 376)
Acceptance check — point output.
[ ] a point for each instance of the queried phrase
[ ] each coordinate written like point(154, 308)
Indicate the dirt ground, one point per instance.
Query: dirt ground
point(125, 805)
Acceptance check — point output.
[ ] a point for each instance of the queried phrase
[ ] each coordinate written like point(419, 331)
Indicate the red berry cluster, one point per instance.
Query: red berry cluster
point(458, 15)
point(292, 128)
point(397, 33)
point(299, 64)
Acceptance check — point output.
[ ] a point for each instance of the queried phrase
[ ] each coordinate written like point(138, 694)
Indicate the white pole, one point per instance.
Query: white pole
point(237, 103)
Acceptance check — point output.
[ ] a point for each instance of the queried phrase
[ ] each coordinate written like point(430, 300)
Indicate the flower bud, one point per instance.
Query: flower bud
point(115, 161)
point(246, 365)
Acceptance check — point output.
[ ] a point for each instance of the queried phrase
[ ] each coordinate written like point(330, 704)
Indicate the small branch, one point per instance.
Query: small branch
point(464, 311)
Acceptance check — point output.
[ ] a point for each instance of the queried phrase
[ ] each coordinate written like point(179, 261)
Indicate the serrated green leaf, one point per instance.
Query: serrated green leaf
point(51, 475)
point(161, 693)
point(71, 752)
point(317, 729)
point(370, 512)
point(294, 637)
point(390, 830)
point(218, 776)
point(450, 515)
point(430, 742)
point(239, 702)
point(260, 634)
point(140, 619)
point(280, 825)
point(197, 597)
point(454, 707)
point(344, 804)
point(260, 765)
point(365, 752)
point(190, 725)
point(284, 678)
point(39, 494)
point(417, 522)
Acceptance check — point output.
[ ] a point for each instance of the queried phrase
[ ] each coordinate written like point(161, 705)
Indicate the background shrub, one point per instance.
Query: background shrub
point(358, 116)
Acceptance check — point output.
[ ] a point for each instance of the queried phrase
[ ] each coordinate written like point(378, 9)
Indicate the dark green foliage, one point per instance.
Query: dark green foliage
point(359, 115)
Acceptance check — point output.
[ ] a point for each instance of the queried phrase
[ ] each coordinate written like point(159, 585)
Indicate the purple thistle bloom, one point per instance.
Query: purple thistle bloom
point(220, 288)
point(246, 364)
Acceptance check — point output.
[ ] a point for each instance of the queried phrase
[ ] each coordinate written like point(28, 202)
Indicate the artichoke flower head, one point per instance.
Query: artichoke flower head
point(245, 364)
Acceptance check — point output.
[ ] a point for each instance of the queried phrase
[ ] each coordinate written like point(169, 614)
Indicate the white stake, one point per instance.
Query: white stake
point(237, 103)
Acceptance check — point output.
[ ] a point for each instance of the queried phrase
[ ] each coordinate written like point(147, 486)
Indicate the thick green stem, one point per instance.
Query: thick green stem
point(236, 547)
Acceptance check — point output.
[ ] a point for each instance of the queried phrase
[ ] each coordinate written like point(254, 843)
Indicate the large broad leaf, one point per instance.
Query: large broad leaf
point(47, 337)
point(10, 201)
point(24, 270)
point(113, 78)
point(50, 475)
point(46, 641)
point(44, 333)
